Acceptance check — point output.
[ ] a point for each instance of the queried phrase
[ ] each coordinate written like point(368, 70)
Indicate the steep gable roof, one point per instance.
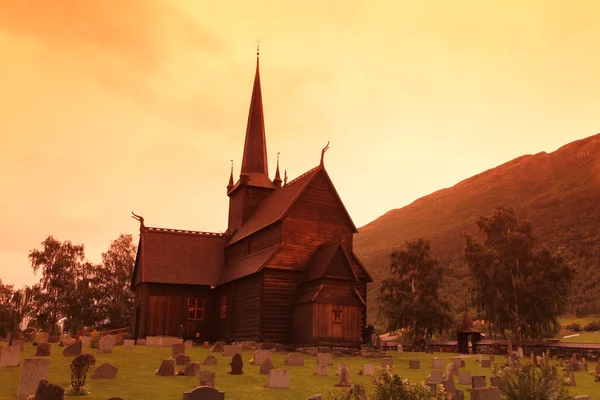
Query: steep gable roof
point(321, 262)
point(275, 207)
point(179, 257)
point(248, 264)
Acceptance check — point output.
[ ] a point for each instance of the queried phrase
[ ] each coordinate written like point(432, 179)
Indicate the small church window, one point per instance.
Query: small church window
point(337, 316)
point(223, 307)
point(196, 309)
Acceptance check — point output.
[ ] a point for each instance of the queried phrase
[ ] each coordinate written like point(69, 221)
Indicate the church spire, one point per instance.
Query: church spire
point(254, 160)
point(230, 184)
point(277, 180)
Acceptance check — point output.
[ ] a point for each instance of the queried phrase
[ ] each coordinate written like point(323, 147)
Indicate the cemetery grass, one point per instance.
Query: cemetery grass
point(136, 381)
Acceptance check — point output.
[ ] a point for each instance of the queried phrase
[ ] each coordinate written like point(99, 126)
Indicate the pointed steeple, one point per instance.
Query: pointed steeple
point(277, 180)
point(230, 184)
point(254, 160)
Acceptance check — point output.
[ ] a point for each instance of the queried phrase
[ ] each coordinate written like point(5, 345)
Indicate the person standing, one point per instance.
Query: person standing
point(369, 331)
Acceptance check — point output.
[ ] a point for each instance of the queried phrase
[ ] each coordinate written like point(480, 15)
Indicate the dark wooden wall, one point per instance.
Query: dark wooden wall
point(242, 204)
point(280, 290)
point(302, 325)
point(325, 331)
point(260, 240)
point(243, 309)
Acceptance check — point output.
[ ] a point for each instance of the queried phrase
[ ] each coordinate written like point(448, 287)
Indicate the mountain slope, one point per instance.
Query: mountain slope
point(559, 192)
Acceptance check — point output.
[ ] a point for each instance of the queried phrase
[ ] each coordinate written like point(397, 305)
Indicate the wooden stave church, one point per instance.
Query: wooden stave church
point(284, 271)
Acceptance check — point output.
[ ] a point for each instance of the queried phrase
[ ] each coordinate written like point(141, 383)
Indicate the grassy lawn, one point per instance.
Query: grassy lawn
point(136, 380)
point(584, 337)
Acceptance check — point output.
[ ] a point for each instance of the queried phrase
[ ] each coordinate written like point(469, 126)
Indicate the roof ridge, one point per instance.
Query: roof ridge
point(184, 232)
point(303, 175)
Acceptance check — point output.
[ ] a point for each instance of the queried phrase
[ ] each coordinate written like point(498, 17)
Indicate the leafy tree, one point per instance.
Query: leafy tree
point(9, 313)
point(409, 299)
point(113, 277)
point(515, 287)
point(62, 265)
point(533, 382)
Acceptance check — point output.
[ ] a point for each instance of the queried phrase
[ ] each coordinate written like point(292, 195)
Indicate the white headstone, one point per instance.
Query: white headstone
point(464, 377)
point(128, 344)
point(86, 341)
point(9, 356)
point(437, 376)
point(232, 350)
point(32, 371)
point(325, 358)
point(438, 363)
point(260, 356)
point(279, 378)
point(367, 370)
point(106, 344)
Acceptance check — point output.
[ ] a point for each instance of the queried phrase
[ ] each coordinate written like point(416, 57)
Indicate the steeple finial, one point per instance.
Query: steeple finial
point(285, 177)
point(323, 152)
point(257, 48)
point(277, 180)
point(230, 184)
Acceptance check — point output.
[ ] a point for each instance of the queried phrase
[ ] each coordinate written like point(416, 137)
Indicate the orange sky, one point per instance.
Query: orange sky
point(109, 106)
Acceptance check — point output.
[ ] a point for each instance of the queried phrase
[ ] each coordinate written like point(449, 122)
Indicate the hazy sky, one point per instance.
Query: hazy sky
point(109, 106)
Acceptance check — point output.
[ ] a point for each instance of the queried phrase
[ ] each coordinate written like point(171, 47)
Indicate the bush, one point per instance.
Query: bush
point(357, 392)
point(390, 386)
point(593, 326)
point(95, 340)
point(533, 383)
point(574, 327)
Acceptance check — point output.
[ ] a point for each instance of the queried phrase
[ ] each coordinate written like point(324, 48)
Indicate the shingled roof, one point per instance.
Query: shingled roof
point(248, 265)
point(321, 260)
point(179, 257)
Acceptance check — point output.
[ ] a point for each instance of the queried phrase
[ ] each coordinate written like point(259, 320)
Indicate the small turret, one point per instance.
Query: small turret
point(230, 184)
point(277, 179)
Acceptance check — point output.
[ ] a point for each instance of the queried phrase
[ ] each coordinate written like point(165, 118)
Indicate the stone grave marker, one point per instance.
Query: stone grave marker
point(492, 357)
point(86, 341)
point(177, 348)
point(32, 372)
point(48, 391)
point(128, 344)
point(464, 377)
point(232, 349)
point(478, 381)
point(486, 363)
point(182, 359)
point(485, 393)
point(43, 350)
point(188, 344)
point(414, 364)
point(479, 357)
point(494, 381)
point(106, 344)
point(207, 378)
point(73, 350)
point(167, 368)
point(399, 349)
point(325, 358)
point(345, 378)
point(450, 371)
point(387, 361)
point(294, 359)
point(266, 366)
point(9, 356)
point(260, 356)
point(68, 341)
point(367, 370)
point(278, 379)
point(105, 371)
point(236, 364)
point(322, 370)
point(436, 376)
point(141, 342)
point(217, 348)
point(20, 343)
point(210, 360)
point(437, 363)
point(572, 379)
point(457, 364)
point(449, 386)
point(192, 369)
point(41, 337)
point(79, 369)
point(203, 393)
point(339, 370)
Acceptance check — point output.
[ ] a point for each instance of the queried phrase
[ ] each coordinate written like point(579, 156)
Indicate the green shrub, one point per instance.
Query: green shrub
point(593, 326)
point(530, 382)
point(574, 327)
point(95, 340)
point(357, 392)
point(390, 386)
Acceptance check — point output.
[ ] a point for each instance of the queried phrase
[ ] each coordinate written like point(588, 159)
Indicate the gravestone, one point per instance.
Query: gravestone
point(236, 364)
point(266, 366)
point(572, 379)
point(449, 386)
point(41, 337)
point(192, 368)
point(79, 369)
point(399, 349)
point(106, 344)
point(9, 356)
point(322, 370)
point(68, 341)
point(260, 356)
point(178, 348)
point(182, 359)
point(43, 350)
point(167, 368)
point(486, 363)
point(128, 344)
point(32, 372)
point(478, 381)
point(48, 391)
point(387, 361)
point(457, 364)
point(105, 371)
point(207, 378)
point(436, 376)
point(232, 349)
point(494, 381)
point(345, 378)
point(450, 371)
point(464, 377)
point(203, 393)
point(492, 357)
point(325, 358)
point(210, 360)
point(278, 379)
point(294, 359)
point(367, 370)
point(73, 350)
point(141, 342)
point(438, 363)
point(485, 393)
point(20, 343)
point(479, 357)
point(188, 344)
point(414, 364)
point(339, 370)
point(86, 341)
point(576, 367)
